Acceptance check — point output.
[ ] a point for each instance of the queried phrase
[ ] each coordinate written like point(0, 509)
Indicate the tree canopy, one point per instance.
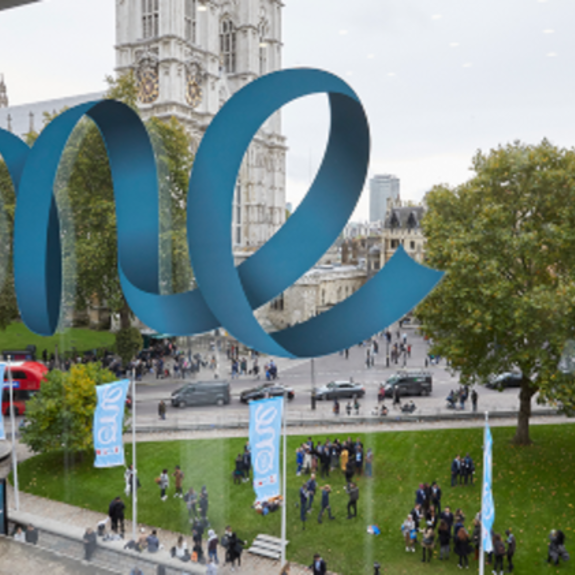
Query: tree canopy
point(60, 416)
point(506, 240)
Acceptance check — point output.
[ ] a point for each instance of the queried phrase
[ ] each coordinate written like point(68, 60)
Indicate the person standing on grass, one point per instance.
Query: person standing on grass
point(179, 478)
point(204, 502)
point(163, 483)
point(311, 489)
point(359, 460)
point(325, 491)
point(462, 547)
point(353, 491)
point(369, 463)
point(343, 458)
point(436, 496)
point(455, 470)
point(191, 499)
point(444, 535)
point(90, 543)
point(427, 544)
point(409, 533)
point(447, 516)
point(499, 552)
point(303, 504)
point(511, 544)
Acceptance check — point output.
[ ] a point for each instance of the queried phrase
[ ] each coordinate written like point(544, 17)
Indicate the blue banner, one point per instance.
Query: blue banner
point(2, 387)
point(265, 434)
point(109, 423)
point(487, 506)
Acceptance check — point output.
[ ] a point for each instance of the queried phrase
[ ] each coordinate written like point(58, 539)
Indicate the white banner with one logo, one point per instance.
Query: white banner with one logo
point(109, 423)
point(265, 434)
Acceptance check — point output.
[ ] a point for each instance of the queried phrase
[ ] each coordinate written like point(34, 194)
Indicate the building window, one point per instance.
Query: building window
point(150, 18)
point(322, 297)
point(190, 20)
point(412, 245)
point(262, 29)
point(228, 45)
point(394, 244)
point(278, 303)
point(237, 215)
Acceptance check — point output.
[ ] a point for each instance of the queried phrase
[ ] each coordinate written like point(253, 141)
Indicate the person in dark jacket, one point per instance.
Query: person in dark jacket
point(427, 544)
point(447, 516)
point(499, 552)
point(303, 496)
point(353, 492)
point(455, 471)
point(234, 549)
point(556, 549)
point(318, 567)
point(444, 535)
point(462, 547)
point(31, 535)
point(511, 544)
point(116, 513)
point(436, 496)
point(311, 489)
point(89, 540)
point(325, 491)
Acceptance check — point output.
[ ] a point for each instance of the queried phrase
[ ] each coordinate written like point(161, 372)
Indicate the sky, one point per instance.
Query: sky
point(439, 79)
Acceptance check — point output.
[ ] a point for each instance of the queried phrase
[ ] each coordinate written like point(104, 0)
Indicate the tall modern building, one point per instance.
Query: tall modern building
point(382, 189)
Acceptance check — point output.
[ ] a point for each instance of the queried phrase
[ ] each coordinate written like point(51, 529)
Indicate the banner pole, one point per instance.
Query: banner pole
point(134, 478)
point(284, 482)
point(13, 425)
point(481, 553)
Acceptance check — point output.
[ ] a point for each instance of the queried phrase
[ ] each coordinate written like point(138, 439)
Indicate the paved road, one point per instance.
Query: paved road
point(298, 375)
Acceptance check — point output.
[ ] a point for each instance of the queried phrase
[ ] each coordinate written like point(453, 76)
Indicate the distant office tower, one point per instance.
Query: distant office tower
point(382, 189)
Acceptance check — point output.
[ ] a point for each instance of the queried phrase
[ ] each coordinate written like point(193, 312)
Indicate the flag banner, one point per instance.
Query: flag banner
point(5, 388)
point(265, 433)
point(109, 423)
point(487, 507)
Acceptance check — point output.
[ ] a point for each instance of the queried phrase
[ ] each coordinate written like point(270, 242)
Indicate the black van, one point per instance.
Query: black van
point(409, 383)
point(202, 393)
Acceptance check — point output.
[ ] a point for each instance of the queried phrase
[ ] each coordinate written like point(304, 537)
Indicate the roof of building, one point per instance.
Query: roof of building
point(18, 120)
point(407, 217)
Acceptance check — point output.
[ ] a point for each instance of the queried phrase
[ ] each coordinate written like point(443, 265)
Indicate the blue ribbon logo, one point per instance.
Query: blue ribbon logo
point(227, 295)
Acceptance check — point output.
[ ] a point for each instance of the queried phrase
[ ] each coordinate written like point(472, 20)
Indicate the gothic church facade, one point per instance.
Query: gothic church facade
point(189, 57)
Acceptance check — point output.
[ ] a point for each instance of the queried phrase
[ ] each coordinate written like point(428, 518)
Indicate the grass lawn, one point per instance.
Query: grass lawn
point(17, 336)
point(534, 491)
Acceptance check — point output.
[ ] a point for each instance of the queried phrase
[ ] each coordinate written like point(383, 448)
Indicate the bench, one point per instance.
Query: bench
point(267, 546)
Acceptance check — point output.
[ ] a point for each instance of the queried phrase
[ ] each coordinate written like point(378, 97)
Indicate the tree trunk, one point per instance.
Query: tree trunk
point(125, 316)
point(522, 431)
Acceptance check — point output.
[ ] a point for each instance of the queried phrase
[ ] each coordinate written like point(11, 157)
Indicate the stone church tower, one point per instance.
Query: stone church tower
point(189, 57)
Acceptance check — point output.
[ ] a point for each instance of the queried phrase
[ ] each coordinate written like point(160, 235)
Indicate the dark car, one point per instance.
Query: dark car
point(409, 383)
point(339, 390)
point(266, 390)
point(505, 380)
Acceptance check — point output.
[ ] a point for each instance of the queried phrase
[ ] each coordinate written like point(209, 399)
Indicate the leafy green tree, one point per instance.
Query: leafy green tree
point(128, 342)
point(60, 416)
point(506, 239)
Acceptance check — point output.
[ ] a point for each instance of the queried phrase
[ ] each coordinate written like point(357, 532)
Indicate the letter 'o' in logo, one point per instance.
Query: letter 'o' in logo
point(226, 295)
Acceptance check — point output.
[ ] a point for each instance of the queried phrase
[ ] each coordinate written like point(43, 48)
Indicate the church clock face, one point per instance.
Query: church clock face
point(148, 85)
point(193, 93)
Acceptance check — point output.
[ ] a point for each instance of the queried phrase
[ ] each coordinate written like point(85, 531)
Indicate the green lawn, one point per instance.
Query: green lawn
point(17, 336)
point(533, 489)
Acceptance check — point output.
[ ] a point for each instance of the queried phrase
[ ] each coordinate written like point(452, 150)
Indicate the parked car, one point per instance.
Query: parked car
point(202, 393)
point(266, 390)
point(339, 390)
point(409, 383)
point(505, 380)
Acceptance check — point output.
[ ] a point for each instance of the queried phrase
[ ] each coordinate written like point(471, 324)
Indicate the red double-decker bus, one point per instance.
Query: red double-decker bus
point(26, 378)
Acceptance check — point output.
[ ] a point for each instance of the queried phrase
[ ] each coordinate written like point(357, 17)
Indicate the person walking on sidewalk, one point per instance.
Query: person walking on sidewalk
point(90, 543)
point(162, 410)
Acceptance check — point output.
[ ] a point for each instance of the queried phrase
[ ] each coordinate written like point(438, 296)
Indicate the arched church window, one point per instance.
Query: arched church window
point(228, 45)
point(150, 18)
point(262, 32)
point(190, 20)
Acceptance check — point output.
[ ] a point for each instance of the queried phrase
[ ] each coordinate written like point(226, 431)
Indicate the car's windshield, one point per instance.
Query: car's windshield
point(393, 379)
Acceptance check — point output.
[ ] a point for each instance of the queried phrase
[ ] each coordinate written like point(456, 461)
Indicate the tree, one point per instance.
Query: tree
point(61, 415)
point(91, 198)
point(506, 240)
point(128, 342)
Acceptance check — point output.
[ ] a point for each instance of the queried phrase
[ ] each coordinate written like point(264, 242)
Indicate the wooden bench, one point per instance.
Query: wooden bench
point(267, 546)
